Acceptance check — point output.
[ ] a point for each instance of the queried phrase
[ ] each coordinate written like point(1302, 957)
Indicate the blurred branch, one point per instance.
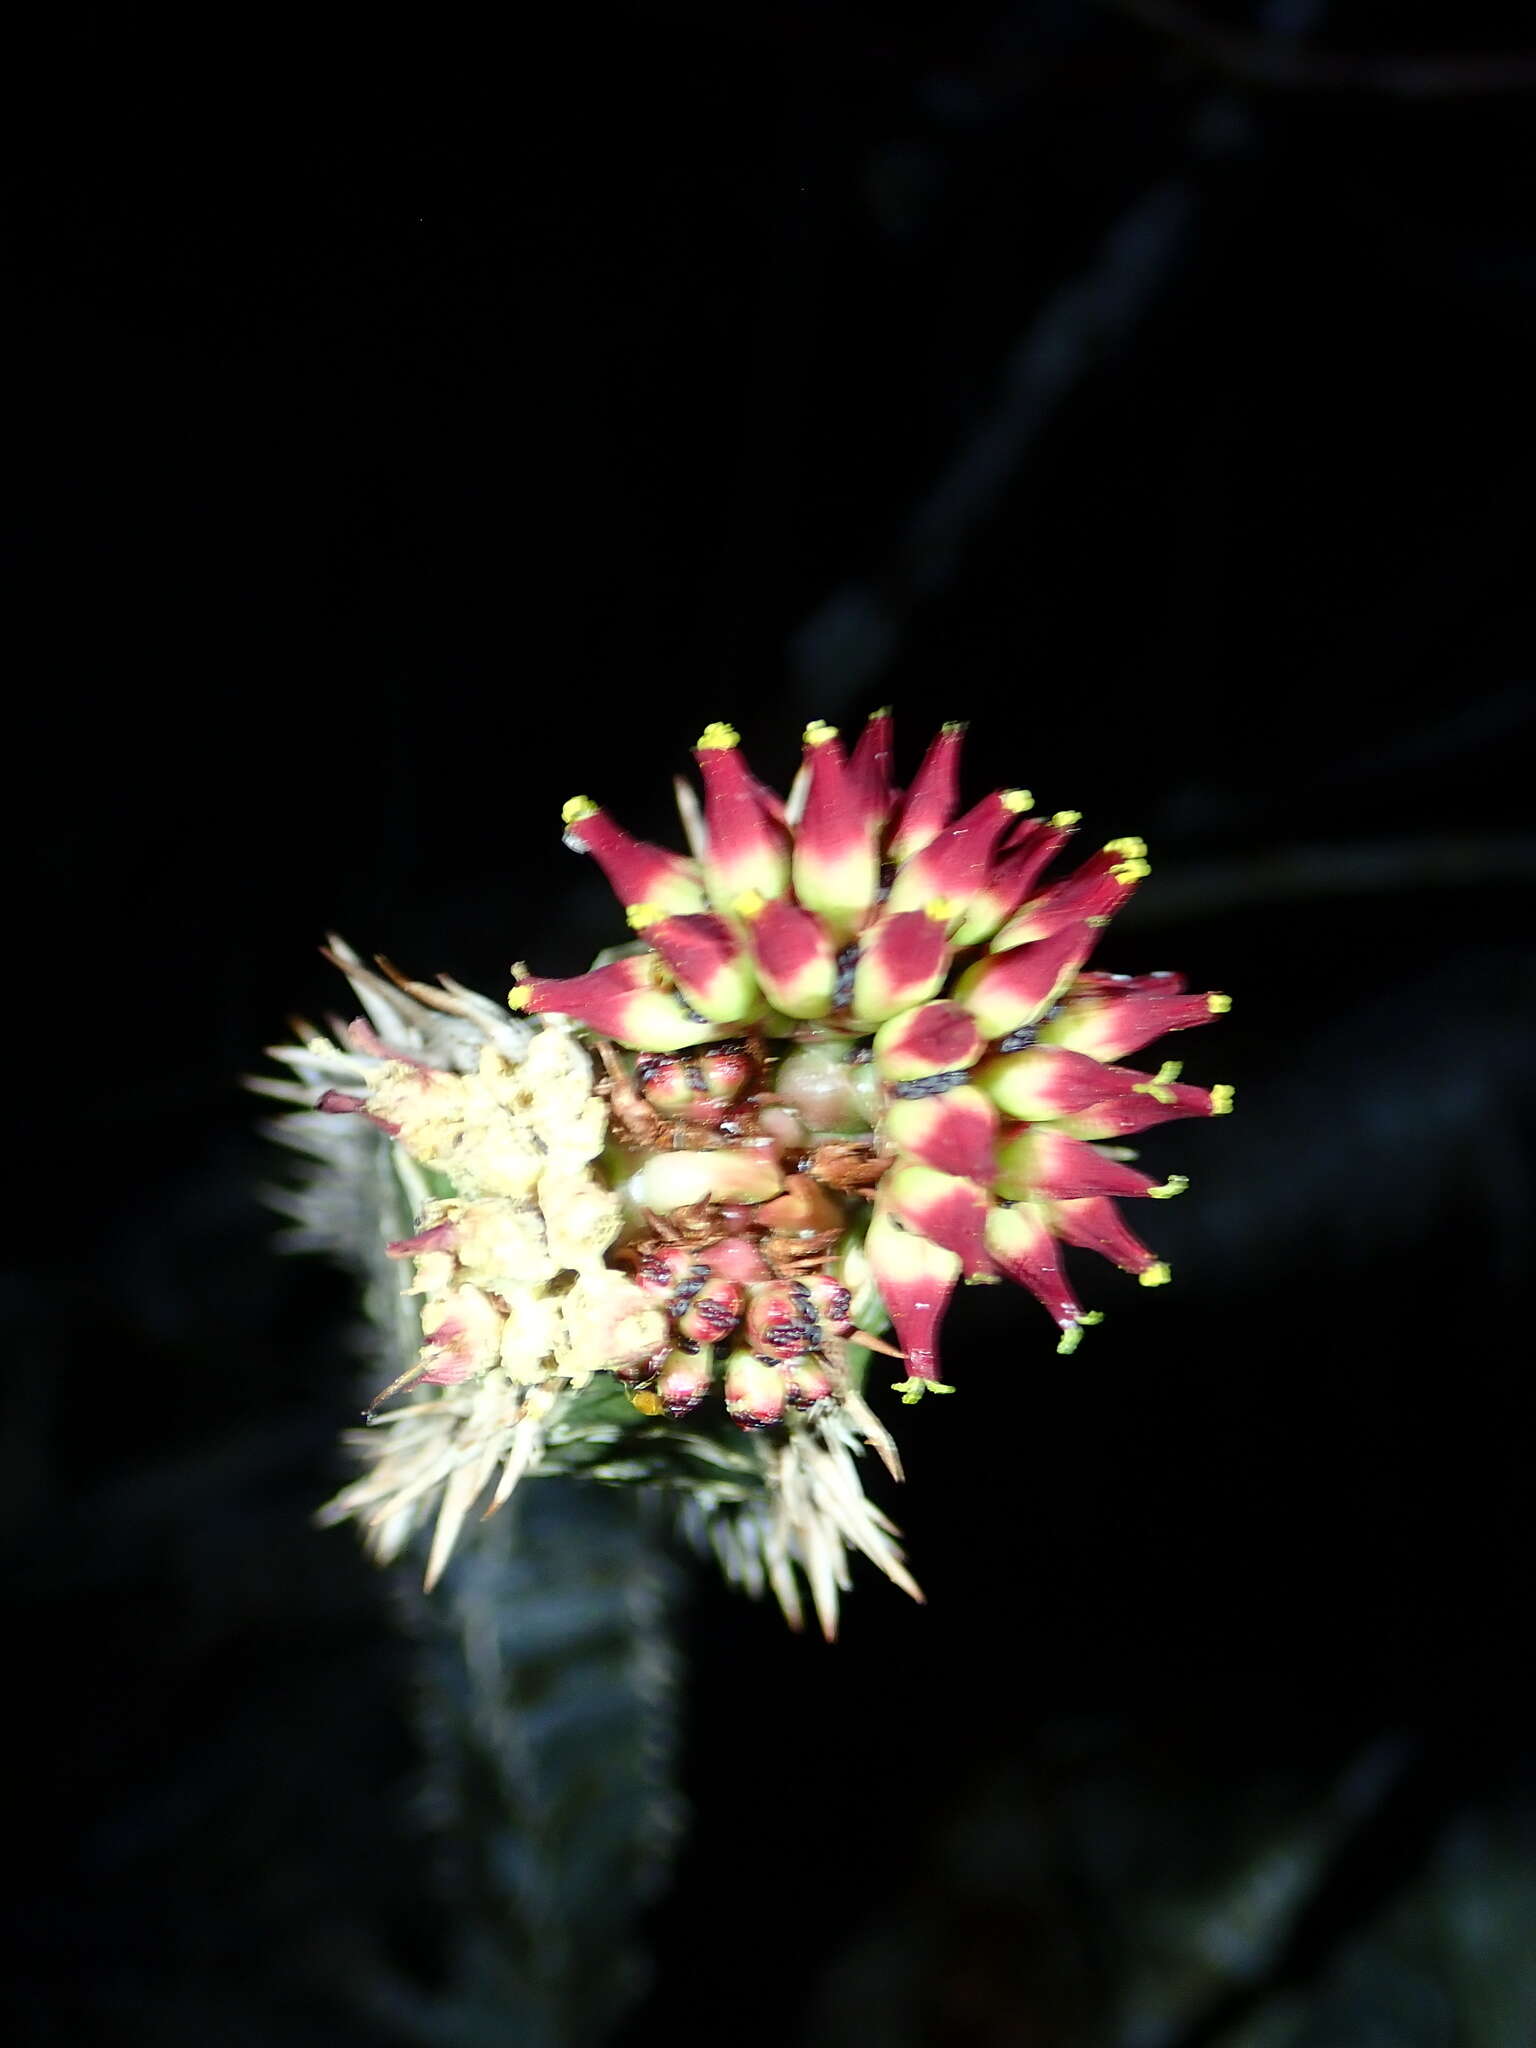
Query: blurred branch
point(1278, 64)
point(852, 637)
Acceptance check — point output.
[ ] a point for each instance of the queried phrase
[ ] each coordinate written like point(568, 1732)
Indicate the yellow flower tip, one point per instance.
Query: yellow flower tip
point(1095, 924)
point(1062, 819)
point(748, 904)
point(1134, 847)
point(1155, 1276)
point(1018, 800)
point(718, 738)
point(955, 725)
point(883, 712)
point(1072, 1335)
point(639, 915)
point(1127, 871)
point(518, 999)
point(1221, 1098)
point(1218, 1005)
point(914, 1390)
point(1175, 1184)
point(818, 732)
point(1159, 1086)
point(940, 909)
point(576, 809)
point(648, 1403)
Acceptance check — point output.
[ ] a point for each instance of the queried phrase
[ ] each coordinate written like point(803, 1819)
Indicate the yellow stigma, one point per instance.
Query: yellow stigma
point(1072, 1335)
point(818, 732)
point(578, 808)
point(518, 1000)
point(1127, 871)
point(1018, 800)
point(1136, 848)
point(718, 738)
point(941, 910)
point(748, 904)
point(1221, 1098)
point(1062, 819)
point(1159, 1086)
point(1175, 1184)
point(1218, 1005)
point(639, 915)
point(1155, 1276)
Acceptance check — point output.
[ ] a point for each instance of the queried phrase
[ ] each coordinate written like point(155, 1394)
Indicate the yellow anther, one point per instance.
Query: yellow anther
point(940, 909)
point(1175, 1184)
point(1159, 1087)
point(518, 1000)
point(1072, 1335)
point(1062, 819)
point(748, 904)
point(818, 732)
point(639, 915)
point(1221, 1098)
point(1136, 848)
point(1127, 871)
point(914, 1390)
point(1156, 1275)
point(578, 808)
point(649, 1403)
point(1218, 1005)
point(718, 738)
point(1018, 800)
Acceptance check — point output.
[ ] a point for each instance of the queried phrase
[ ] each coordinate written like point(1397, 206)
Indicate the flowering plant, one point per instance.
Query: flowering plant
point(852, 1054)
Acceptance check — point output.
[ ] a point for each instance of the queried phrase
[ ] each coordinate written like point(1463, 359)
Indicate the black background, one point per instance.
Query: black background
point(423, 419)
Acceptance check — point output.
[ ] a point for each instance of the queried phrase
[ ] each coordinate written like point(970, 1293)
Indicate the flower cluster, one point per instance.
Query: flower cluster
point(857, 1002)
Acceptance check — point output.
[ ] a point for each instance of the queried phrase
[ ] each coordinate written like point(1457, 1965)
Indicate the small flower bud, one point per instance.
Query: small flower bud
point(754, 1391)
point(684, 1379)
point(676, 1180)
point(934, 1039)
point(782, 1320)
point(636, 872)
point(736, 1258)
point(836, 861)
point(806, 1382)
point(711, 1315)
point(665, 1268)
point(820, 1083)
point(955, 1131)
point(902, 961)
point(1006, 991)
point(794, 952)
point(712, 968)
point(748, 846)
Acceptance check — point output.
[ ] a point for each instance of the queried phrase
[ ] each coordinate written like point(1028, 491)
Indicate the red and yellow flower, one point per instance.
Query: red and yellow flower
point(914, 1041)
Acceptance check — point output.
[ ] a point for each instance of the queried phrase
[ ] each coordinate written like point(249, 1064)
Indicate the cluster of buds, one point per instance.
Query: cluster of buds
point(513, 1270)
point(851, 1018)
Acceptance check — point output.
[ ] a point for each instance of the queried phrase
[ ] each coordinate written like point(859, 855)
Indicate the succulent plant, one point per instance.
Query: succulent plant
point(658, 1215)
